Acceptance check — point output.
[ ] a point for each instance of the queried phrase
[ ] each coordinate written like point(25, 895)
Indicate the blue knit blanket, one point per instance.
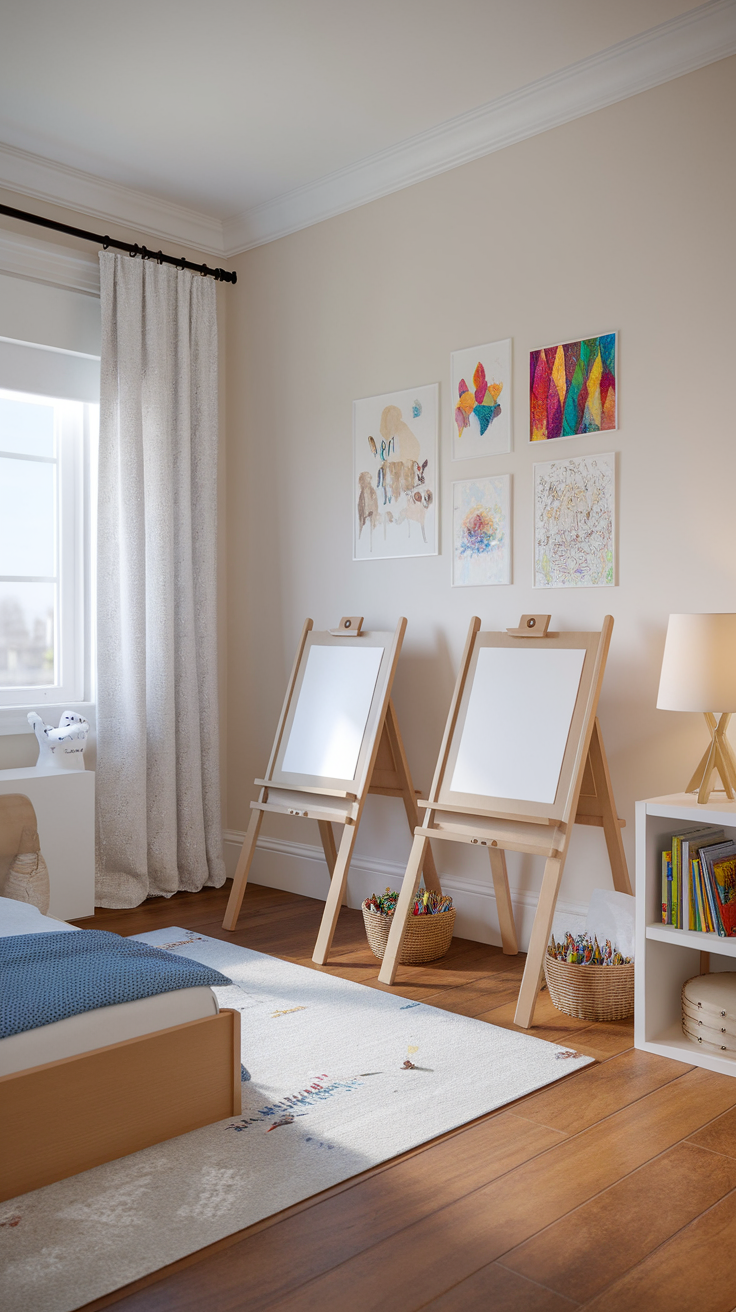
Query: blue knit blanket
point(47, 977)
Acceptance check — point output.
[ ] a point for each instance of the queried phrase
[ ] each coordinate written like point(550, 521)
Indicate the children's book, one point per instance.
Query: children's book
point(666, 888)
point(684, 846)
point(708, 857)
point(724, 876)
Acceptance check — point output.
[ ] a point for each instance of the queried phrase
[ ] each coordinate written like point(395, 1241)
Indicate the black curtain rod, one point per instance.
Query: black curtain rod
point(132, 248)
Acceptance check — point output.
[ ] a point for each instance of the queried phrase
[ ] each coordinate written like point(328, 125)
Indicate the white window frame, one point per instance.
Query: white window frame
point(76, 446)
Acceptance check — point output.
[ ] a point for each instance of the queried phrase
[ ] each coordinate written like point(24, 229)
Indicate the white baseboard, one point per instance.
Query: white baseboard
point(300, 868)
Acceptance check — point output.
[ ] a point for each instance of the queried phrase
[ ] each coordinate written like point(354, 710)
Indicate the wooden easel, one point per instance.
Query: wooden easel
point(583, 795)
point(382, 768)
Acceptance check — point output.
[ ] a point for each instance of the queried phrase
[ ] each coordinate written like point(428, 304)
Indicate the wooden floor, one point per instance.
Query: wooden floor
point(613, 1190)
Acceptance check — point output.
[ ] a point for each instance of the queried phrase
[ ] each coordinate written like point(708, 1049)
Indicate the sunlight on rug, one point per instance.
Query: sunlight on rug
point(340, 1077)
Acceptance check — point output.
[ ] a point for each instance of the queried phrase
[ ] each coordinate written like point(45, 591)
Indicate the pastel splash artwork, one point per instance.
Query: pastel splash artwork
point(481, 531)
point(478, 532)
point(482, 401)
point(572, 388)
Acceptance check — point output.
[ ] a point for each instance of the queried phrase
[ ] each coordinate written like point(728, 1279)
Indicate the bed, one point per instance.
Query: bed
point(91, 1087)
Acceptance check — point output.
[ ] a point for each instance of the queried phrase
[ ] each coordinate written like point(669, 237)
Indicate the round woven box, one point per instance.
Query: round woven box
point(427, 938)
point(590, 992)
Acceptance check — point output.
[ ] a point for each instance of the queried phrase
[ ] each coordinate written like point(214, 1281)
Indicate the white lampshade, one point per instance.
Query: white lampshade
point(699, 664)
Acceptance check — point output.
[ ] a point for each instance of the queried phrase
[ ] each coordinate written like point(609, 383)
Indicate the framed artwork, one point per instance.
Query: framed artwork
point(481, 531)
point(572, 388)
point(574, 519)
point(395, 474)
point(481, 400)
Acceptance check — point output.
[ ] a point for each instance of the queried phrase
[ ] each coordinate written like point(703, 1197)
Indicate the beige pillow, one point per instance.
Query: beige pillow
point(28, 877)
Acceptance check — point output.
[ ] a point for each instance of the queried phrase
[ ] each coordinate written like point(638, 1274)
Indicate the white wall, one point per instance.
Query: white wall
point(622, 220)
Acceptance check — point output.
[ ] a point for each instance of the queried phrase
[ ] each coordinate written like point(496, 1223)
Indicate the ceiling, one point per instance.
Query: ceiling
point(226, 107)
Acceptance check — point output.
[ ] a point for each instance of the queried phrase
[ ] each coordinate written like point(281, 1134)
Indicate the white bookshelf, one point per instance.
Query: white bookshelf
point(666, 957)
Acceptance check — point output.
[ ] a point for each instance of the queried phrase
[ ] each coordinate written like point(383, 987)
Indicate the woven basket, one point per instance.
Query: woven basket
point(427, 938)
point(590, 992)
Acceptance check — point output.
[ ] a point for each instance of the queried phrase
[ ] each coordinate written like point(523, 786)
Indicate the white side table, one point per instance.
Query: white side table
point(666, 957)
point(64, 802)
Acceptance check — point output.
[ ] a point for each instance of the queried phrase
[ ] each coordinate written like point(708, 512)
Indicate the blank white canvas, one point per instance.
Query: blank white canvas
point(332, 711)
point(519, 714)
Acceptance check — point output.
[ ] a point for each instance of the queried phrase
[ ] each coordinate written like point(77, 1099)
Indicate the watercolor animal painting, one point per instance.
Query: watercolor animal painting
point(395, 454)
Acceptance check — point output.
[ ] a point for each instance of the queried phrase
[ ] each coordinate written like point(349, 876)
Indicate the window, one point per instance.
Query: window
point(45, 451)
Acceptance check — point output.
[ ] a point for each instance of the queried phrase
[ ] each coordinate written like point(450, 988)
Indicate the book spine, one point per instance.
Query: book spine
point(666, 888)
point(676, 883)
point(700, 919)
point(689, 908)
point(711, 896)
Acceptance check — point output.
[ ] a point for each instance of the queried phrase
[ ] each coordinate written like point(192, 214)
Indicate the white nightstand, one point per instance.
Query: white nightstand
point(64, 802)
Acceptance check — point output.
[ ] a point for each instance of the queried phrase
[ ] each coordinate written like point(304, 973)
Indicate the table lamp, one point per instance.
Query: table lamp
point(699, 674)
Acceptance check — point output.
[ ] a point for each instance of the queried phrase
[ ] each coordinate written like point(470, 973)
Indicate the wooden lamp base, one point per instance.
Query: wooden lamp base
point(718, 757)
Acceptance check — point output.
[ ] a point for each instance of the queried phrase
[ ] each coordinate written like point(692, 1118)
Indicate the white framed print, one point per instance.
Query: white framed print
point(481, 400)
point(481, 531)
point(395, 474)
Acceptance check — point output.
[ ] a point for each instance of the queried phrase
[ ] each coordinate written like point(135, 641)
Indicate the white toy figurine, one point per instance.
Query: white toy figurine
point(62, 748)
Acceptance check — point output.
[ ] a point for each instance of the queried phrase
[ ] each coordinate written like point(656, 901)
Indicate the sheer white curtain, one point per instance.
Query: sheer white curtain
point(158, 788)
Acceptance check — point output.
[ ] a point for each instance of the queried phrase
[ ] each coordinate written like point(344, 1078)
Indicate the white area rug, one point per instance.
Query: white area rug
point(328, 1096)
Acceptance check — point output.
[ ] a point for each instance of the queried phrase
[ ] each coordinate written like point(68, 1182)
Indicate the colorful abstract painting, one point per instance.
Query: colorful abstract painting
point(395, 474)
point(481, 400)
point(574, 518)
point(481, 530)
point(572, 388)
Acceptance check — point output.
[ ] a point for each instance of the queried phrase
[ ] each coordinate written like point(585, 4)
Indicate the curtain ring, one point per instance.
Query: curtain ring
point(160, 257)
point(144, 253)
point(182, 264)
point(133, 251)
point(203, 271)
point(105, 243)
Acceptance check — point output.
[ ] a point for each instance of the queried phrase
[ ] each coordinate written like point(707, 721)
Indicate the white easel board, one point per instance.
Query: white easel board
point(333, 712)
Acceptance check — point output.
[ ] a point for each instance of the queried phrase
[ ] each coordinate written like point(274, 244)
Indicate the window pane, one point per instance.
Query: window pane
point(27, 517)
point(27, 427)
point(26, 634)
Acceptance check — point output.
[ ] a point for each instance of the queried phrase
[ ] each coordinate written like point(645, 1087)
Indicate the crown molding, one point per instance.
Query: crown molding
point(42, 261)
point(31, 175)
point(683, 44)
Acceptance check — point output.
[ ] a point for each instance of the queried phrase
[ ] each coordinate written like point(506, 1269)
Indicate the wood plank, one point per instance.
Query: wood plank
point(493, 1288)
point(458, 1239)
point(597, 1243)
point(692, 1273)
point(599, 1091)
point(720, 1135)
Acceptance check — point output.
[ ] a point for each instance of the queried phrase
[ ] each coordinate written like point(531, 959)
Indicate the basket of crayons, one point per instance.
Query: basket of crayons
point(429, 925)
point(588, 981)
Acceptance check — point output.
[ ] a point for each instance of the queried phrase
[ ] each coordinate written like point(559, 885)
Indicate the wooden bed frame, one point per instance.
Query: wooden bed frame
point(67, 1116)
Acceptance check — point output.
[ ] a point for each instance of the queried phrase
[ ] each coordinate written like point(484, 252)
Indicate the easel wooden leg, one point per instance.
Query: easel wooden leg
point(335, 895)
point(327, 834)
point(611, 826)
point(409, 887)
point(503, 901)
point(541, 930)
point(401, 766)
point(237, 892)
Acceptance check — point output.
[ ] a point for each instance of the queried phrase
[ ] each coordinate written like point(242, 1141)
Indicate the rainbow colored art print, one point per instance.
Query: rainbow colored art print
point(572, 388)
